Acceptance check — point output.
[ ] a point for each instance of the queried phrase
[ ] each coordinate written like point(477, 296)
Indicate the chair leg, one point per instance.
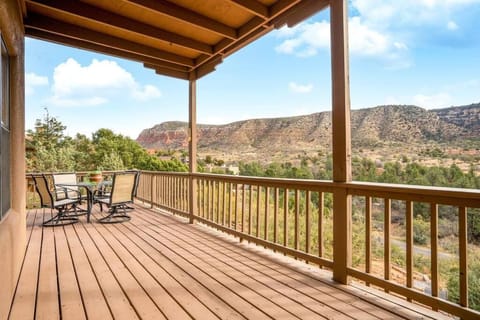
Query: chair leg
point(115, 216)
point(61, 219)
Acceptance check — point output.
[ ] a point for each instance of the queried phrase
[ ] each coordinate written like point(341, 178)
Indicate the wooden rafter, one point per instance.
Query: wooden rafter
point(69, 30)
point(188, 16)
point(99, 15)
point(76, 43)
point(254, 7)
point(303, 10)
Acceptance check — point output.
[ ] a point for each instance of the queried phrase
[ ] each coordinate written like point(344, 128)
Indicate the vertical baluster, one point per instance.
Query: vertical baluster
point(285, 218)
point(166, 191)
point(224, 207)
point(151, 191)
point(275, 216)
point(236, 206)
point(207, 200)
point(175, 192)
point(250, 206)
point(204, 195)
point(199, 182)
point(158, 189)
point(386, 239)
point(409, 242)
point(212, 201)
point(243, 208)
point(297, 222)
point(368, 235)
point(267, 200)
point(229, 219)
point(434, 248)
point(218, 201)
point(179, 193)
point(257, 227)
point(185, 195)
point(307, 221)
point(321, 204)
point(463, 247)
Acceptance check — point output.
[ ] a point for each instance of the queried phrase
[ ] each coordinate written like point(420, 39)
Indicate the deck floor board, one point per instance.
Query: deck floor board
point(158, 266)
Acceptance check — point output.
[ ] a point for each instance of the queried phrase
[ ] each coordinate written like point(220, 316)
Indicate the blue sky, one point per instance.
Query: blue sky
point(421, 52)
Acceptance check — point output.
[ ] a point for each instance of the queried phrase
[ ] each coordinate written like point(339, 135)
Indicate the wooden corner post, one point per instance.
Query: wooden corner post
point(342, 172)
point(192, 147)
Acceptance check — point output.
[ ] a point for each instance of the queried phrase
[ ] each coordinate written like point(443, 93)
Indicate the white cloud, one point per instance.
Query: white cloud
point(148, 92)
point(95, 84)
point(389, 29)
point(366, 41)
point(439, 100)
point(33, 80)
point(299, 88)
point(452, 26)
point(307, 39)
point(413, 18)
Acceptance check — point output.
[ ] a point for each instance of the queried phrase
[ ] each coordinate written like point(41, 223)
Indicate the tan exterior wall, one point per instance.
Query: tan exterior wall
point(12, 226)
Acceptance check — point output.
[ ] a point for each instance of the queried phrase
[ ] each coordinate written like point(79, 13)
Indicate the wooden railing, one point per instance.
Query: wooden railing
point(295, 217)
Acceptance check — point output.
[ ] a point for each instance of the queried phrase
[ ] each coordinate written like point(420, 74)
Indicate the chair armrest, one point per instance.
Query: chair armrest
point(66, 190)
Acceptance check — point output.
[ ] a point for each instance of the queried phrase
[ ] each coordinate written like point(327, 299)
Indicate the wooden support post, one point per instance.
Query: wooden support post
point(342, 171)
point(192, 147)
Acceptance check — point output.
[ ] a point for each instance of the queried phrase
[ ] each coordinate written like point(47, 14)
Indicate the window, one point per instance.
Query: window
point(4, 131)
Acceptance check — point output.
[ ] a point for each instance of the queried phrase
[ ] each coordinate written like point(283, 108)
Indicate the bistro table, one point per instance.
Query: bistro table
point(90, 188)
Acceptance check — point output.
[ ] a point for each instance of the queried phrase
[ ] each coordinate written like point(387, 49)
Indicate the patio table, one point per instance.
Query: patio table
point(90, 188)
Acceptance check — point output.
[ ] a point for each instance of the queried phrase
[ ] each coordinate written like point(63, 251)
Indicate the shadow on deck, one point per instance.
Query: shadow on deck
point(157, 266)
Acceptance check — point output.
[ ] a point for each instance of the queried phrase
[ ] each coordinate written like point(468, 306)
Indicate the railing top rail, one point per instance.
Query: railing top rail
point(439, 195)
point(77, 172)
point(166, 173)
point(267, 181)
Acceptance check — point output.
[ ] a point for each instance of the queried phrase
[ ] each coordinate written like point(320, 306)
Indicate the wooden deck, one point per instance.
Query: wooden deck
point(159, 267)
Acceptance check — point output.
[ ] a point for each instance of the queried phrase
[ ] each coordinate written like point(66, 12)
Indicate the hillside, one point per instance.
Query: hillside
point(378, 126)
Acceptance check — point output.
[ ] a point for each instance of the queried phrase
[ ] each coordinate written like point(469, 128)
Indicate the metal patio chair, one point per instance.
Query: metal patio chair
point(122, 193)
point(47, 200)
point(66, 188)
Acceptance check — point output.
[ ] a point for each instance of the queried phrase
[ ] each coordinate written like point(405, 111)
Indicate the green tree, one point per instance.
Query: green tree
point(48, 149)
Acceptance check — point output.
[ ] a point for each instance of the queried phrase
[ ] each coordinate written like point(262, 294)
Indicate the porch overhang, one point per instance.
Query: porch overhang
point(183, 39)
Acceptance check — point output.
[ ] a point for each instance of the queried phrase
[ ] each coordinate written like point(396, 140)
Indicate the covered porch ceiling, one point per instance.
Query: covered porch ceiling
point(183, 39)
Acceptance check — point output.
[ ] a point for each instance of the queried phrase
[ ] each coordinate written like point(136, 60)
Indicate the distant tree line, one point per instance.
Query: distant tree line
point(48, 149)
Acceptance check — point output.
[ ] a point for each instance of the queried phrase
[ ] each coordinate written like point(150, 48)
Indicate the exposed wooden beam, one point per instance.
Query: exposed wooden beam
point(76, 43)
point(208, 67)
point(250, 31)
point(167, 65)
point(50, 25)
point(168, 72)
point(283, 5)
point(105, 17)
point(302, 11)
point(246, 40)
point(254, 7)
point(175, 11)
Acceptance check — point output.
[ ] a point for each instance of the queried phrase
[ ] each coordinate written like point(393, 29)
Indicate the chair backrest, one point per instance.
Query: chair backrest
point(123, 186)
point(66, 178)
point(41, 184)
point(137, 179)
